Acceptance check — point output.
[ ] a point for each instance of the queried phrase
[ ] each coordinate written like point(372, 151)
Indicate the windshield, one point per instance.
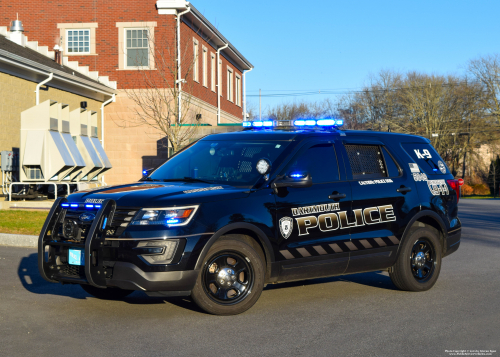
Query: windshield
point(220, 162)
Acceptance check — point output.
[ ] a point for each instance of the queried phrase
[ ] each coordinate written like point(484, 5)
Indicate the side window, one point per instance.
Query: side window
point(426, 157)
point(392, 167)
point(319, 160)
point(366, 161)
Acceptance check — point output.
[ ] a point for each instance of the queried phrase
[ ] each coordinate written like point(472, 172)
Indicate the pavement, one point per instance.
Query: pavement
point(355, 315)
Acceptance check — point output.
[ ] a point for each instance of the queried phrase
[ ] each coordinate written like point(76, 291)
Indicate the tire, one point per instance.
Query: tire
point(232, 277)
point(108, 293)
point(419, 262)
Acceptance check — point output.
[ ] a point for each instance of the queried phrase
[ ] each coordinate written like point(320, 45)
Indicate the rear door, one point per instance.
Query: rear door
point(384, 200)
point(311, 222)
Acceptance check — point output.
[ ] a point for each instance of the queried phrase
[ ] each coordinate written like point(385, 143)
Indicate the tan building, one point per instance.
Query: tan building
point(24, 66)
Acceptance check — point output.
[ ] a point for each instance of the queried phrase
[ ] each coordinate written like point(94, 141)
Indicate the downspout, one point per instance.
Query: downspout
point(219, 78)
point(245, 94)
point(112, 99)
point(179, 76)
point(37, 90)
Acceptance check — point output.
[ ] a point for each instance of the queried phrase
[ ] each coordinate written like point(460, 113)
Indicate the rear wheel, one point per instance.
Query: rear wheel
point(108, 293)
point(419, 262)
point(232, 278)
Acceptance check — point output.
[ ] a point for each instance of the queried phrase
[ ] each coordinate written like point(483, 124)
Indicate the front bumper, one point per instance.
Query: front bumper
point(129, 276)
point(104, 265)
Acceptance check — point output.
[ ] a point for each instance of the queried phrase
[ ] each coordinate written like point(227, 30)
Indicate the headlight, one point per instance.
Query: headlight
point(171, 216)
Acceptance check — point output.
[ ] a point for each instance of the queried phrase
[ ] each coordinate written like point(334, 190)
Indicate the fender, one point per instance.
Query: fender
point(268, 250)
point(425, 213)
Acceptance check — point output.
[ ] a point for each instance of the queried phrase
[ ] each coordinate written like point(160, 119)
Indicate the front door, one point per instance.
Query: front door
point(311, 222)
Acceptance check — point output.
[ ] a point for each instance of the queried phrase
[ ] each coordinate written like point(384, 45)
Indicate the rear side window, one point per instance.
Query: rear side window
point(319, 160)
point(392, 167)
point(426, 157)
point(366, 161)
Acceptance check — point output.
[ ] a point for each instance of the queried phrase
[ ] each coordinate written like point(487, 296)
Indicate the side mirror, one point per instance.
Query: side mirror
point(296, 179)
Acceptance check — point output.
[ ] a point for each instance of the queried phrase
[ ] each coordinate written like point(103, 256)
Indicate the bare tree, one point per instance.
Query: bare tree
point(156, 95)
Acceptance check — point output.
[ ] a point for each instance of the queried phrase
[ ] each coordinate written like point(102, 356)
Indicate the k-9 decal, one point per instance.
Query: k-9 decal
point(424, 155)
point(338, 220)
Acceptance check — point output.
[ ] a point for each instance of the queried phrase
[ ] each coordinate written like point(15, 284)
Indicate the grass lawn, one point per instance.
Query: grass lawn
point(478, 197)
point(22, 222)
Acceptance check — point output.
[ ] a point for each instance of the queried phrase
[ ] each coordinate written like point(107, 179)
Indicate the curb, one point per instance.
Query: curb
point(18, 240)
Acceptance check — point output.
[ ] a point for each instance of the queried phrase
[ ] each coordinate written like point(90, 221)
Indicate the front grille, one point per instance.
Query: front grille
point(72, 271)
point(121, 219)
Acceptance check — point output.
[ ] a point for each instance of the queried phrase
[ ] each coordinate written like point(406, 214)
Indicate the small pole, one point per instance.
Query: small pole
point(260, 104)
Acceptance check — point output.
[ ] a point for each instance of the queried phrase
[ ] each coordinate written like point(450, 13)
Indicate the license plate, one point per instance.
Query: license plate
point(76, 257)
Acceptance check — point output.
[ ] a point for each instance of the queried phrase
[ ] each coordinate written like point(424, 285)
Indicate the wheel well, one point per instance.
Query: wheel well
point(430, 222)
point(254, 240)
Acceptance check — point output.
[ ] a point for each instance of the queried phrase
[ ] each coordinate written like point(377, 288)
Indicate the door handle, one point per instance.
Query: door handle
point(403, 189)
point(337, 196)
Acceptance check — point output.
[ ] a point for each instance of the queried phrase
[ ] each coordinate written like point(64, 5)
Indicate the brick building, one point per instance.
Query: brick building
point(121, 40)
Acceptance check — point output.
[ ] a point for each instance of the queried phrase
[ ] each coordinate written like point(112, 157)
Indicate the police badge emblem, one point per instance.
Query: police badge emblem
point(286, 226)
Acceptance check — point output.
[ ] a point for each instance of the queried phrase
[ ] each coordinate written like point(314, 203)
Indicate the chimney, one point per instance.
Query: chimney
point(16, 32)
point(57, 54)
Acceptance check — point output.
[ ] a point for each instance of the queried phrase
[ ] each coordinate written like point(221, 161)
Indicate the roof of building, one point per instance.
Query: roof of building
point(37, 61)
point(219, 40)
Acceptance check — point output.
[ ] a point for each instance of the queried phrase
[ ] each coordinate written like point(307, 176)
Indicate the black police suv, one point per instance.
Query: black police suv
point(236, 211)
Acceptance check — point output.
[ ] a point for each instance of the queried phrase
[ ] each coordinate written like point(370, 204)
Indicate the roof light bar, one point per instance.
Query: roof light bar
point(297, 123)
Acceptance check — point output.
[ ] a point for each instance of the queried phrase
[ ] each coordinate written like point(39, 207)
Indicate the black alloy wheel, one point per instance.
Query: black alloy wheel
point(232, 277)
point(419, 261)
point(227, 278)
point(422, 260)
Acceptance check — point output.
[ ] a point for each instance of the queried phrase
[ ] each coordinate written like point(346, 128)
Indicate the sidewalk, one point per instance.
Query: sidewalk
point(18, 240)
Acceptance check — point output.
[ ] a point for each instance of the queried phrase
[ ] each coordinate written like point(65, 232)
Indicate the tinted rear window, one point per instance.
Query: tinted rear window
point(427, 158)
point(366, 161)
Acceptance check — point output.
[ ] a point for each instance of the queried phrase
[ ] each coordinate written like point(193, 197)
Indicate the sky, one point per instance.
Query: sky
point(335, 45)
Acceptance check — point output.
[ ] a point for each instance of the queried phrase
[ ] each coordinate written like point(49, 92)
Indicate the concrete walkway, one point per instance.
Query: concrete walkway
point(18, 240)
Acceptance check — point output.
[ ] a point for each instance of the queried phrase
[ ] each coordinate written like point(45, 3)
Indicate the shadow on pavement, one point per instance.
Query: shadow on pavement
point(32, 281)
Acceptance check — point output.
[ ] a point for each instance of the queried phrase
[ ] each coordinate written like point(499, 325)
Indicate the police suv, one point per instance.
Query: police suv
point(279, 201)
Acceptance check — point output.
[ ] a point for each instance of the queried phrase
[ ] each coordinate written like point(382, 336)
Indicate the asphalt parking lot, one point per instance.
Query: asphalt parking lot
point(356, 315)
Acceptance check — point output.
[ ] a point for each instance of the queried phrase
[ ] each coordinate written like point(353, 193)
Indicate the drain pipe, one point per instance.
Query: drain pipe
point(110, 100)
point(179, 75)
point(37, 90)
point(245, 94)
point(219, 78)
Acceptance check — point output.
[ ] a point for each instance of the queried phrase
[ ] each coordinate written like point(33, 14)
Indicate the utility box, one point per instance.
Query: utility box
point(44, 155)
point(8, 164)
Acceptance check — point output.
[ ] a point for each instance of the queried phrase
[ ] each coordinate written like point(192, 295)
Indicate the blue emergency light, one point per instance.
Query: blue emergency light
point(296, 123)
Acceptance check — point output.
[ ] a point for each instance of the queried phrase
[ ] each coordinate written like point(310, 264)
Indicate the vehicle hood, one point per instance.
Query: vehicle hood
point(159, 194)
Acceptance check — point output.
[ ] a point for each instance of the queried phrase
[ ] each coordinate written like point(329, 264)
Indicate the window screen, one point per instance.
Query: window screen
point(366, 161)
point(137, 48)
point(392, 167)
point(319, 160)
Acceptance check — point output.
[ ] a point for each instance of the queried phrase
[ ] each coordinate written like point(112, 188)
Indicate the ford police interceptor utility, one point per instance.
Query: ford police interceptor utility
point(279, 201)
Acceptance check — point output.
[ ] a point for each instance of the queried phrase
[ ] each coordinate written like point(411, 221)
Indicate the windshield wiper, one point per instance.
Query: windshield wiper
point(148, 179)
point(187, 179)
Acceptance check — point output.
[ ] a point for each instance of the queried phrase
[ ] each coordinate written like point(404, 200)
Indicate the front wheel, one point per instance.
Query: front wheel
point(419, 262)
point(231, 280)
point(108, 293)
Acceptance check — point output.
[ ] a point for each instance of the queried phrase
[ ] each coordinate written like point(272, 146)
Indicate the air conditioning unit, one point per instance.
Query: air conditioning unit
point(80, 130)
point(44, 156)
